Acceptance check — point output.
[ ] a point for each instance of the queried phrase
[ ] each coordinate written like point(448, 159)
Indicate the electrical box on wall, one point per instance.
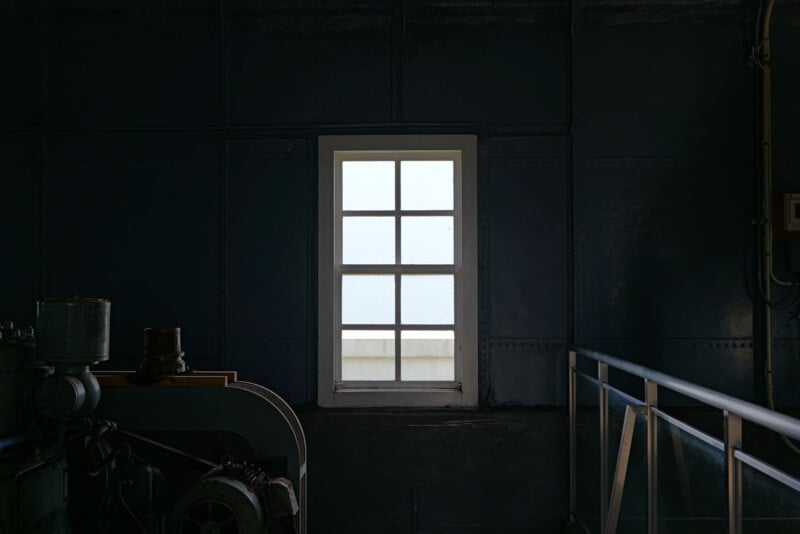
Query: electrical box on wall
point(791, 211)
point(786, 216)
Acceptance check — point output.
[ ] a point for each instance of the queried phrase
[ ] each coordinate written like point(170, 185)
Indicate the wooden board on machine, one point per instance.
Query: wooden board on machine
point(193, 379)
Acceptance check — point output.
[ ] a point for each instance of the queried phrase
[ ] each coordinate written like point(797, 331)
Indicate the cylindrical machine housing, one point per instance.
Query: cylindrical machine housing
point(162, 352)
point(72, 331)
point(219, 504)
point(162, 341)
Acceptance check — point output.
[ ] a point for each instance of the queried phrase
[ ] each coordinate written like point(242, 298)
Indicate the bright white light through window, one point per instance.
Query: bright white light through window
point(426, 185)
point(367, 299)
point(368, 185)
point(427, 299)
point(368, 240)
point(427, 240)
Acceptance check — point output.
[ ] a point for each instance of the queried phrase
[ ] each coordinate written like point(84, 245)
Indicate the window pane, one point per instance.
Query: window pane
point(367, 355)
point(427, 299)
point(427, 355)
point(367, 240)
point(427, 240)
point(367, 299)
point(426, 185)
point(368, 185)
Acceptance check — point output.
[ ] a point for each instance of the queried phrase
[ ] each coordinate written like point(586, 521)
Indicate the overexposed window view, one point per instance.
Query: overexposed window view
point(394, 302)
point(368, 185)
point(368, 354)
point(427, 354)
point(368, 299)
point(368, 240)
point(426, 299)
point(426, 185)
point(426, 240)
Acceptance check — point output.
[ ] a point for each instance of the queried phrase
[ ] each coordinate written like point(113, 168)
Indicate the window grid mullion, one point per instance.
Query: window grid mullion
point(397, 278)
point(388, 268)
point(389, 213)
point(402, 326)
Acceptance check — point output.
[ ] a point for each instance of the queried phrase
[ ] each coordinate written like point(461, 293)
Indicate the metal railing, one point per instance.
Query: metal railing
point(734, 412)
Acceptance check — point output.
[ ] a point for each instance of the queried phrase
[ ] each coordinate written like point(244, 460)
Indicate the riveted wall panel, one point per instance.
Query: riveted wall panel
point(118, 66)
point(662, 250)
point(786, 369)
point(20, 175)
point(646, 90)
point(528, 372)
point(267, 216)
point(528, 244)
point(785, 43)
point(19, 64)
point(308, 67)
point(507, 66)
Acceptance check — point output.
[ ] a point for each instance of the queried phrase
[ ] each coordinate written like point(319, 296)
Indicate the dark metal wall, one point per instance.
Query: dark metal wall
point(163, 155)
point(663, 199)
point(165, 158)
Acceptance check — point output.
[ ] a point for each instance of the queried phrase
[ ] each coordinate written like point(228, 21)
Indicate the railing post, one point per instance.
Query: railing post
point(573, 401)
point(602, 379)
point(733, 469)
point(621, 469)
point(651, 399)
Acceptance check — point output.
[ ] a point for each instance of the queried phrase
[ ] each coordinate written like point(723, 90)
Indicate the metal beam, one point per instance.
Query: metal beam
point(651, 398)
point(733, 469)
point(602, 378)
point(572, 429)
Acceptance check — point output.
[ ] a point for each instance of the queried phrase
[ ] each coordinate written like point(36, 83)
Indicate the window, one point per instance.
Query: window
point(397, 271)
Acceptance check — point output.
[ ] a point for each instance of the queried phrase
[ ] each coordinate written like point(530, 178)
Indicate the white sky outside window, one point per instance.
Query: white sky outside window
point(425, 299)
point(367, 299)
point(426, 185)
point(427, 240)
point(368, 185)
point(368, 240)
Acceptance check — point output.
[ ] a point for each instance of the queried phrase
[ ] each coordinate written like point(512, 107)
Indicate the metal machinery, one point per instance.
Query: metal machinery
point(165, 450)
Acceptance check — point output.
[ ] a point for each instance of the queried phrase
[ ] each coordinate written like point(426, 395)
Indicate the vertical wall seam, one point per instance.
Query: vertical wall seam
point(486, 393)
point(312, 305)
point(222, 199)
point(396, 80)
point(571, 185)
point(575, 221)
point(40, 214)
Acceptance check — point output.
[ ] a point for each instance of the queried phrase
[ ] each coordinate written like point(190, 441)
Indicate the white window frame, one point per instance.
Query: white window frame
point(463, 390)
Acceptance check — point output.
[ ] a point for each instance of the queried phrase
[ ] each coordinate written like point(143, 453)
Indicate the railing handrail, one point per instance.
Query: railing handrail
point(783, 424)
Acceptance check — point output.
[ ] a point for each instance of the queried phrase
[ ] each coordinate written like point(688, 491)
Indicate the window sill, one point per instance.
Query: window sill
point(347, 396)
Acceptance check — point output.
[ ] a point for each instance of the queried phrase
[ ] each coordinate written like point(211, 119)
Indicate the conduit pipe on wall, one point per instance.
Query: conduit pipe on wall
point(764, 60)
point(767, 274)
